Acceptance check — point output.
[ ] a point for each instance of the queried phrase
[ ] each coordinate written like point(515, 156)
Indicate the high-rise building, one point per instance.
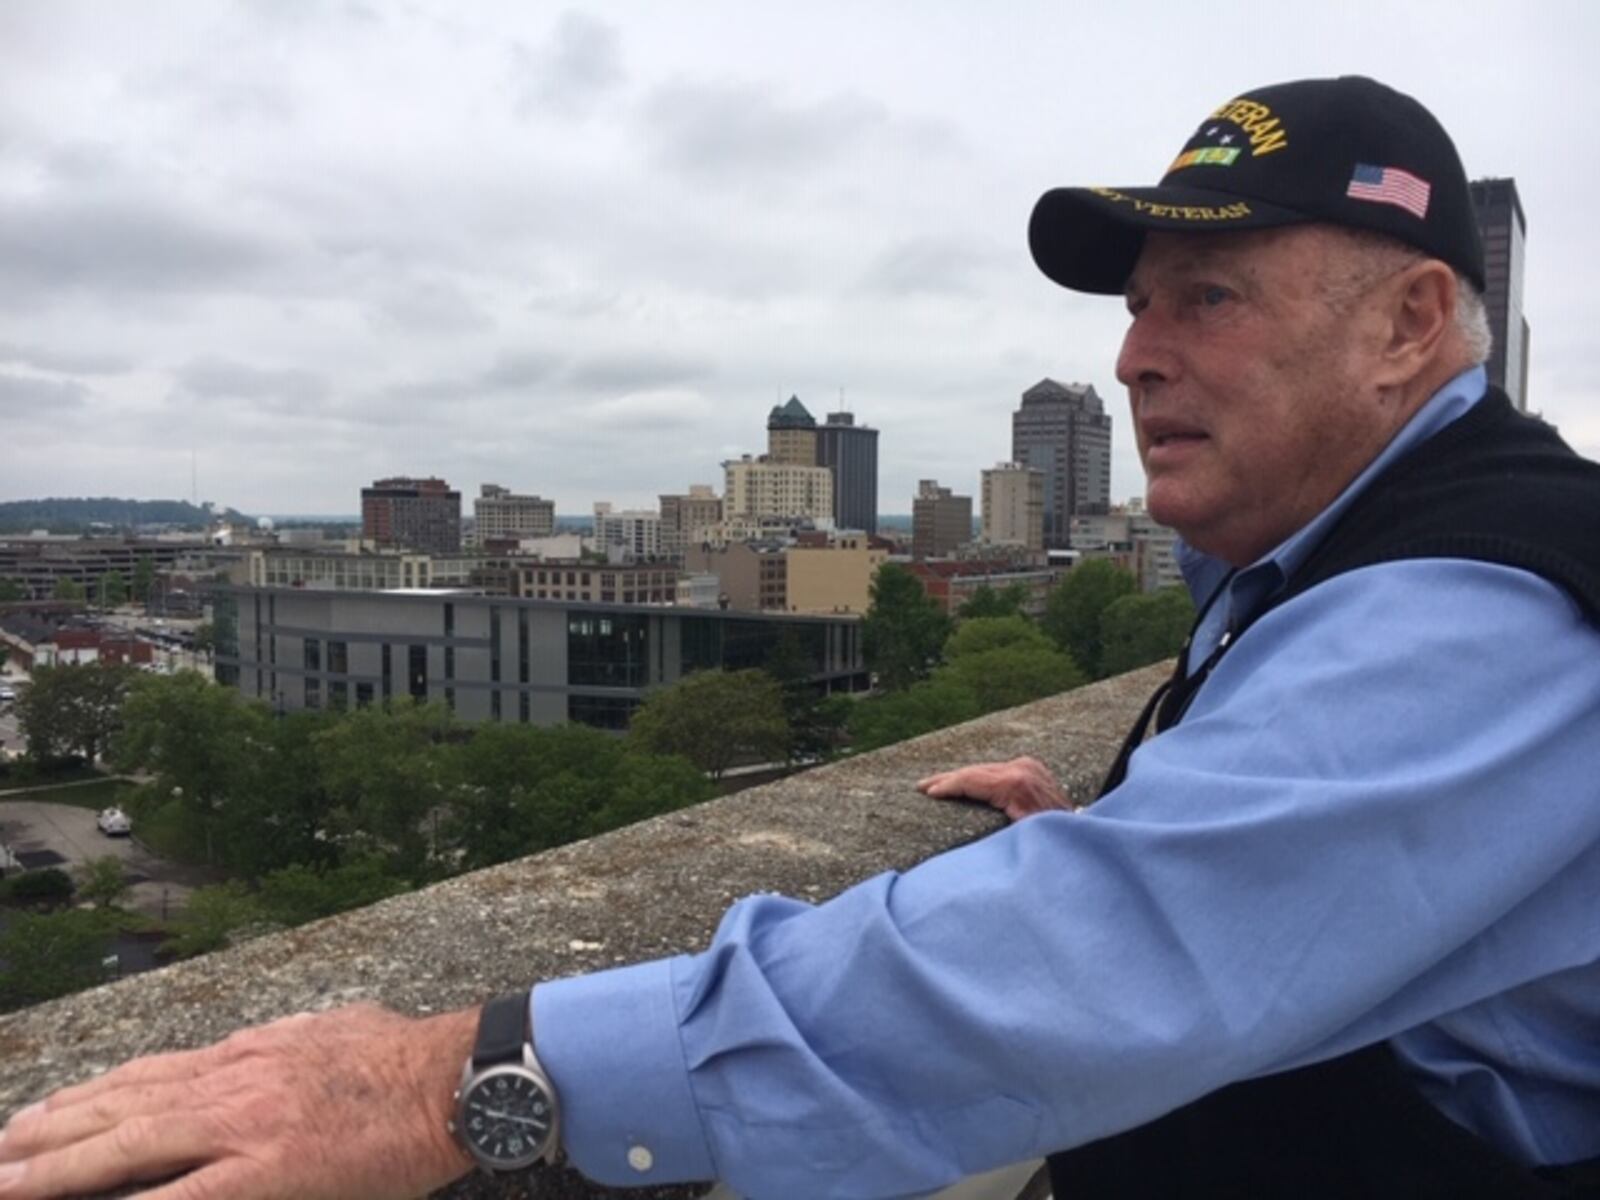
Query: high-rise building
point(636, 531)
point(792, 434)
point(421, 514)
point(1504, 229)
point(500, 513)
point(1013, 506)
point(688, 519)
point(940, 521)
point(758, 488)
point(1064, 432)
point(850, 451)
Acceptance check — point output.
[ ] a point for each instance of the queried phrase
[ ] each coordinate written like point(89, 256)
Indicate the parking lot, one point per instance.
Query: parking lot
point(63, 836)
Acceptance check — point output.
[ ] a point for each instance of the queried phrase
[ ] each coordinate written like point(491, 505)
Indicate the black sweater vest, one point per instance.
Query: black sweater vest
point(1494, 486)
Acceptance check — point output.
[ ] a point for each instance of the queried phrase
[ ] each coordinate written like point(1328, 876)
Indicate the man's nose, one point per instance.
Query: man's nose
point(1147, 354)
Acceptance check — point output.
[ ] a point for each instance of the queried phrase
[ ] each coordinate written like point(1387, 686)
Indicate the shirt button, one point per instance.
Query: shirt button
point(640, 1158)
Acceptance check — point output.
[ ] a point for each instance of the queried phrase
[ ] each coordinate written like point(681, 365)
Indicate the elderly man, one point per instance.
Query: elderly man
point(1330, 931)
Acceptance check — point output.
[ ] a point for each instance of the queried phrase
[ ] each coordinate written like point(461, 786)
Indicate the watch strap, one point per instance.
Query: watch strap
point(502, 1030)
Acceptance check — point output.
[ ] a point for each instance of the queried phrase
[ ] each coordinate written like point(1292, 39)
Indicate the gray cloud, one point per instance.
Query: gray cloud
point(282, 390)
point(437, 306)
point(579, 64)
point(69, 362)
point(113, 245)
point(522, 369)
point(26, 395)
point(738, 129)
point(937, 265)
point(631, 372)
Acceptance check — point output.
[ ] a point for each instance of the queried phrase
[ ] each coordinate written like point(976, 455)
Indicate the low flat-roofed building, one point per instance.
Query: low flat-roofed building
point(832, 573)
point(500, 659)
point(589, 582)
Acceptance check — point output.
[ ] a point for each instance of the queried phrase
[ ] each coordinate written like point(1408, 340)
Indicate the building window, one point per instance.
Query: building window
point(494, 704)
point(449, 620)
point(363, 695)
point(388, 671)
point(607, 650)
point(450, 698)
point(602, 712)
point(313, 654)
point(338, 658)
point(494, 651)
point(523, 707)
point(338, 695)
point(313, 693)
point(449, 662)
point(522, 648)
point(417, 672)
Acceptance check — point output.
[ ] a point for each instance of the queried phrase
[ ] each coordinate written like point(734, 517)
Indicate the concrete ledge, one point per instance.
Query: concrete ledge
point(652, 889)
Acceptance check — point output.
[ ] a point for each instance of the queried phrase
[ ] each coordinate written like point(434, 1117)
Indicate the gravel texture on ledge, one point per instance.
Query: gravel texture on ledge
point(649, 890)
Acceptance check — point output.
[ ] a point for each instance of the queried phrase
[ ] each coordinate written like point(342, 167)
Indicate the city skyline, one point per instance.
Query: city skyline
point(262, 254)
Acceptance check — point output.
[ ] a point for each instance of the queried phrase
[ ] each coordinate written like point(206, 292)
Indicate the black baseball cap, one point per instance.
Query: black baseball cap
point(1347, 151)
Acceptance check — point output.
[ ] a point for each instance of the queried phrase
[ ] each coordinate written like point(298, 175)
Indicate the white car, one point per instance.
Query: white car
point(114, 822)
point(7, 693)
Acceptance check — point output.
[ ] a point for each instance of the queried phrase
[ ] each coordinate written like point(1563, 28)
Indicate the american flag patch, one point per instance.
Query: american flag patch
point(1390, 185)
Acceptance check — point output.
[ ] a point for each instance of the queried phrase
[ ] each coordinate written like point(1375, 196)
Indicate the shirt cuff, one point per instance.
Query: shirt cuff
point(609, 1042)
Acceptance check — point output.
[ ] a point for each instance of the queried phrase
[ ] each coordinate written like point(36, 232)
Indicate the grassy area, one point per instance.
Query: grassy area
point(98, 795)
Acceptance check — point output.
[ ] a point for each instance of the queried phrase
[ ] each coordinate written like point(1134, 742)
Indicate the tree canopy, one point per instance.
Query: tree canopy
point(1144, 628)
point(904, 629)
point(716, 720)
point(73, 708)
point(1072, 612)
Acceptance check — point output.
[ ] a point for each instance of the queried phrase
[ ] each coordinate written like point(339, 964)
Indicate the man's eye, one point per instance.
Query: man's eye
point(1212, 296)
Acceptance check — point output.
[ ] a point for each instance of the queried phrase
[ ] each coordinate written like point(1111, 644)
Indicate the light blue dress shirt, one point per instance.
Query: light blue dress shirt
point(1379, 819)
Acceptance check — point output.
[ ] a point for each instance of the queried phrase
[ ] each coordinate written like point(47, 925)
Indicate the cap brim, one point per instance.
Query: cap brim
point(1088, 239)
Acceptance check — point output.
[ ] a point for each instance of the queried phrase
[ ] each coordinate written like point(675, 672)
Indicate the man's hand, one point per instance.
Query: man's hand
point(1017, 788)
point(346, 1104)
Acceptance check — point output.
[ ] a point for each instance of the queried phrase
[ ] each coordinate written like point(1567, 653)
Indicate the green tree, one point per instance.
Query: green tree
point(384, 770)
point(521, 789)
point(1144, 628)
point(1072, 613)
point(103, 882)
point(1006, 661)
point(214, 917)
point(903, 630)
point(199, 740)
point(68, 589)
point(144, 578)
point(296, 894)
point(278, 809)
point(49, 888)
point(12, 591)
point(205, 638)
point(113, 589)
point(923, 707)
point(715, 719)
point(816, 721)
point(73, 708)
point(987, 602)
point(50, 954)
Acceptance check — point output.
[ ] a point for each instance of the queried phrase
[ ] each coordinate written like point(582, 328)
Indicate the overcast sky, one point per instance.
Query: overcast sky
point(581, 251)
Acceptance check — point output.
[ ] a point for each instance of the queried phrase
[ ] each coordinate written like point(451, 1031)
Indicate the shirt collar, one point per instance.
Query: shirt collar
point(1252, 585)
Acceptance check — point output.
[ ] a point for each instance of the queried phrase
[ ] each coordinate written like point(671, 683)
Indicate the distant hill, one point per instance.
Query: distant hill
point(80, 515)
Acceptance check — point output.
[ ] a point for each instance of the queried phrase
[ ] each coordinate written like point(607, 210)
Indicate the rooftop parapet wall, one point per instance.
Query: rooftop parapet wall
point(649, 890)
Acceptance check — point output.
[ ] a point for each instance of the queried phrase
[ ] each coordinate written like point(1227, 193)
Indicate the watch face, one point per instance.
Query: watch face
point(506, 1118)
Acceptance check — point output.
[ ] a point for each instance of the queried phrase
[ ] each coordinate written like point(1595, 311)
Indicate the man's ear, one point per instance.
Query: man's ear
point(1420, 311)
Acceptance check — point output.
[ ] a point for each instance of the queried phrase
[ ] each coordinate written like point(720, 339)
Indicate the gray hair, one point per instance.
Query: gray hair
point(1370, 257)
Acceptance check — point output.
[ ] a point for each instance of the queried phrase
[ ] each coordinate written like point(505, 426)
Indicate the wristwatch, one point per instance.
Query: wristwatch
point(506, 1115)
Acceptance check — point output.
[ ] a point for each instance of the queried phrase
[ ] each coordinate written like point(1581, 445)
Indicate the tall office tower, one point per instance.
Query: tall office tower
point(1504, 229)
point(636, 530)
point(687, 520)
point(940, 521)
point(792, 434)
point(500, 513)
point(1013, 506)
point(424, 514)
point(756, 488)
point(850, 451)
point(1064, 432)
